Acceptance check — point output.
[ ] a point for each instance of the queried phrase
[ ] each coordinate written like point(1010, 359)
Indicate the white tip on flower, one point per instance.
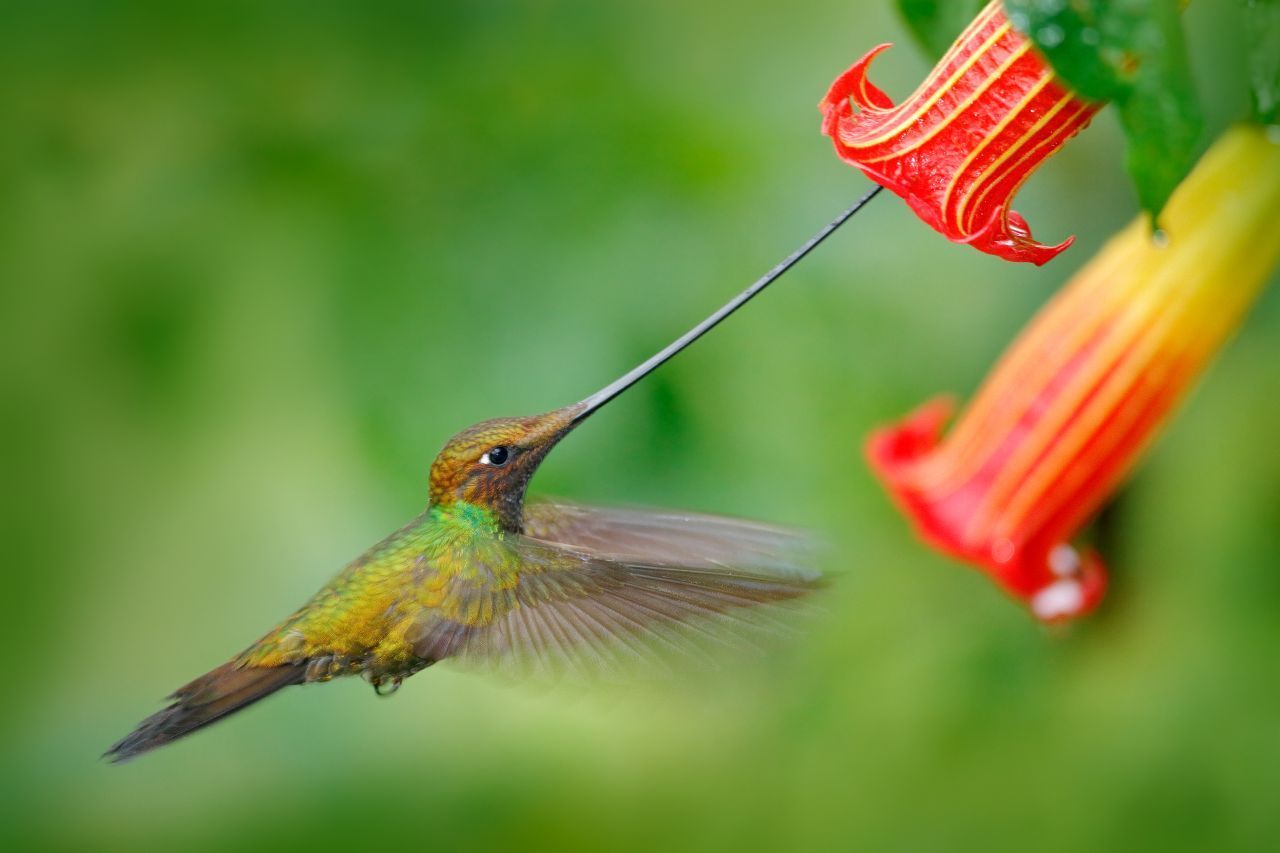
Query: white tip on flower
point(1064, 561)
point(1062, 598)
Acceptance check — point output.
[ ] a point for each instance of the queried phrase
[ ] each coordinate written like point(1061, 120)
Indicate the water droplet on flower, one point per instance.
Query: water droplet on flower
point(1160, 238)
point(1002, 550)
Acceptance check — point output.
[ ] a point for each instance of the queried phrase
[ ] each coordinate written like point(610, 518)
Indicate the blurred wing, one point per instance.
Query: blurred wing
point(577, 613)
point(672, 538)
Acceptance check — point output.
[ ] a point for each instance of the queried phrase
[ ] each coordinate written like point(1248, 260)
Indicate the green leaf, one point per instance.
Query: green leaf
point(1262, 19)
point(1130, 52)
point(936, 23)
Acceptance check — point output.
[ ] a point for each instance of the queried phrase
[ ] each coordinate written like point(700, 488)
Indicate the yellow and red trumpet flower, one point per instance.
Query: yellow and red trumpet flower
point(1074, 402)
point(959, 148)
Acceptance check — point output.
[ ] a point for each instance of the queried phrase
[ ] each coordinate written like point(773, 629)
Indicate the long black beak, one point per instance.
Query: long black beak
point(591, 404)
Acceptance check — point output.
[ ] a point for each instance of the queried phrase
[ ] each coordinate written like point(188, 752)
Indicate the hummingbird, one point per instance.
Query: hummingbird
point(482, 576)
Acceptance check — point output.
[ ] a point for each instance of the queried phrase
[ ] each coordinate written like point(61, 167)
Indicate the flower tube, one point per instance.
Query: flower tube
point(1081, 393)
point(958, 149)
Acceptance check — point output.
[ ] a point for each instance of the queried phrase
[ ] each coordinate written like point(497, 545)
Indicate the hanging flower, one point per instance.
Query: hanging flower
point(1073, 403)
point(958, 149)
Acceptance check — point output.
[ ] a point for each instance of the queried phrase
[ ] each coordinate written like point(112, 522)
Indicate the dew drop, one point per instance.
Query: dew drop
point(1002, 550)
point(1160, 238)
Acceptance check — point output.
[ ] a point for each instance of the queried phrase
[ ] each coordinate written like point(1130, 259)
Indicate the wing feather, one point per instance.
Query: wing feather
point(579, 609)
point(671, 538)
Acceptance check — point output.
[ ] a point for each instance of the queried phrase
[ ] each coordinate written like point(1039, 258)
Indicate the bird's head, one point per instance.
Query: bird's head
point(490, 464)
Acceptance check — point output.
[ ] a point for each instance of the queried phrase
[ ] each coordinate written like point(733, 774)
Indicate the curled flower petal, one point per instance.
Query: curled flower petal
point(1074, 402)
point(959, 148)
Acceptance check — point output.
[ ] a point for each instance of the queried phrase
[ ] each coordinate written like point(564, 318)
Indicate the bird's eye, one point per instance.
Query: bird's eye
point(495, 456)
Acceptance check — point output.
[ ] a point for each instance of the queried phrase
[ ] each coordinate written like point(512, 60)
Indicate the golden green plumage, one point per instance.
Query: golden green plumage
point(358, 621)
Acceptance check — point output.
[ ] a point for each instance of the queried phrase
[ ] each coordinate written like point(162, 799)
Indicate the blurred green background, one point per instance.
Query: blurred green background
point(261, 259)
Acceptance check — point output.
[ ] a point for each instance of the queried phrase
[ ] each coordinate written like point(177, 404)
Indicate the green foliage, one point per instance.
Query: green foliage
point(1262, 21)
point(936, 23)
point(1131, 52)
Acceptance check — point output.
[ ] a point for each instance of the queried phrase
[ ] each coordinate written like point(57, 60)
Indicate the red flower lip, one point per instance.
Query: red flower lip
point(1034, 564)
point(959, 148)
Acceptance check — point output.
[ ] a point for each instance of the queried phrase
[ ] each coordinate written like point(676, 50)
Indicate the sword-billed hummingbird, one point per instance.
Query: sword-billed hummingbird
point(479, 575)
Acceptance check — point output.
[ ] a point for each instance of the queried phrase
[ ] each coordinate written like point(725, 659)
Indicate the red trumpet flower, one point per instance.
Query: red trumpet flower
point(1074, 402)
point(958, 149)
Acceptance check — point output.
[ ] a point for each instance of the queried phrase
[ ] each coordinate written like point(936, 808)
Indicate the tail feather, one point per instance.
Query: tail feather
point(209, 698)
